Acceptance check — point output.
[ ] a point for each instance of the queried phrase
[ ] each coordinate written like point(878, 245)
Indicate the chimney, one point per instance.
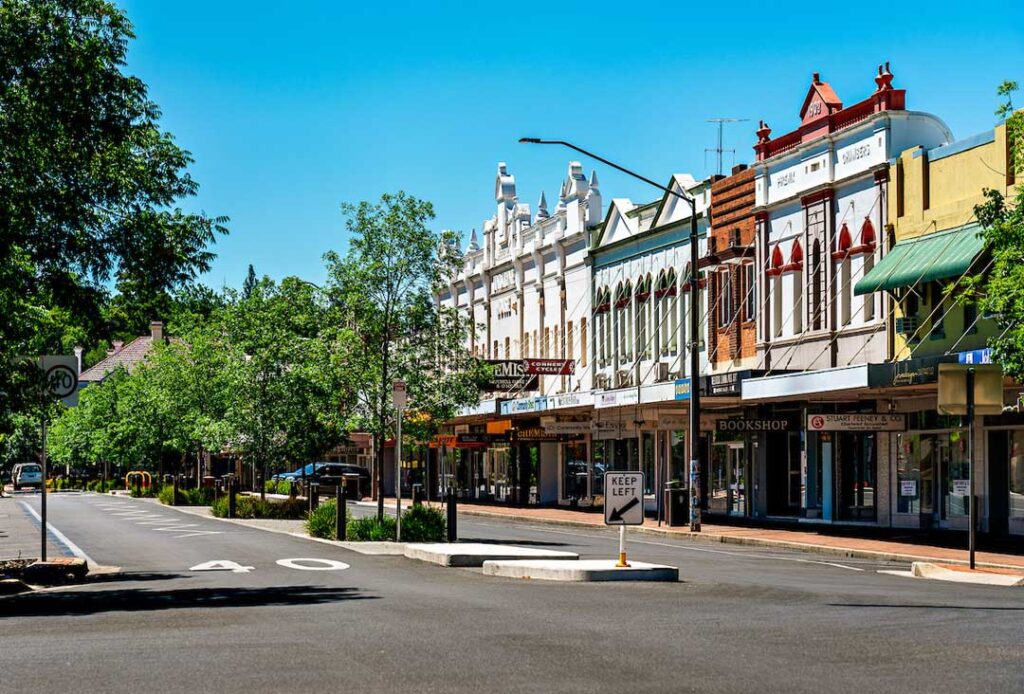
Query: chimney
point(118, 344)
point(156, 328)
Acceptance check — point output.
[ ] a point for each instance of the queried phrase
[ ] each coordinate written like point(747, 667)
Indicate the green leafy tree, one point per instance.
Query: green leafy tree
point(289, 398)
point(384, 288)
point(88, 183)
point(1001, 290)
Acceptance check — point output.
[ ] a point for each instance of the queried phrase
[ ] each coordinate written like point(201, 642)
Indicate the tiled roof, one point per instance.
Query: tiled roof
point(128, 356)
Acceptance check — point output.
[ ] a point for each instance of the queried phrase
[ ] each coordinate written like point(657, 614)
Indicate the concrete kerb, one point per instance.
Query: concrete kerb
point(582, 571)
point(475, 554)
point(809, 548)
point(937, 572)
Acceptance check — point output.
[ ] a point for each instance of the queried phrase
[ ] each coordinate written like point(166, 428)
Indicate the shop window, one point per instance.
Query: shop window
point(1016, 481)
point(508, 351)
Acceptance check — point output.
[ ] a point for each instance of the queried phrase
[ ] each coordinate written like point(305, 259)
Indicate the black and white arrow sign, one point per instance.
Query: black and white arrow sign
point(623, 498)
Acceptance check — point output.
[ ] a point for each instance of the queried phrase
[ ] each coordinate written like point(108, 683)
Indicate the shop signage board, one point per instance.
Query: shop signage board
point(908, 488)
point(737, 424)
point(856, 422)
point(682, 389)
point(509, 376)
point(961, 487)
point(536, 434)
point(623, 498)
point(612, 429)
point(582, 399)
point(520, 405)
point(729, 383)
point(549, 367)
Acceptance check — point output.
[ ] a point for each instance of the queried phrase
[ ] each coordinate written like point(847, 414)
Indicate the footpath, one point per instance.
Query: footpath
point(20, 536)
point(799, 539)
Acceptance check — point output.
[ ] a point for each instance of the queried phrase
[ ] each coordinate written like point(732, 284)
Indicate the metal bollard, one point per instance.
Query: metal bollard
point(341, 514)
point(314, 496)
point(174, 496)
point(231, 498)
point(417, 495)
point(452, 526)
point(292, 493)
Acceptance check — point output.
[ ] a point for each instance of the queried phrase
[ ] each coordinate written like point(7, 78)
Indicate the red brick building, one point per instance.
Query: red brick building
point(729, 264)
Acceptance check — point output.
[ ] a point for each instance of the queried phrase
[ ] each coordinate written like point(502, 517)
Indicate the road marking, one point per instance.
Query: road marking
point(904, 574)
point(222, 565)
point(75, 549)
point(752, 555)
point(327, 564)
point(195, 533)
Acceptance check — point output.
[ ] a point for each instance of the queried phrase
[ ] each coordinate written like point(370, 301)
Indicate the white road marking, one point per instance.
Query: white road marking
point(197, 533)
point(222, 565)
point(751, 555)
point(75, 549)
point(890, 572)
point(327, 564)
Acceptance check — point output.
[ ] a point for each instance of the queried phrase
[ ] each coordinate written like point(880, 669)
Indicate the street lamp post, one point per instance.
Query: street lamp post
point(694, 289)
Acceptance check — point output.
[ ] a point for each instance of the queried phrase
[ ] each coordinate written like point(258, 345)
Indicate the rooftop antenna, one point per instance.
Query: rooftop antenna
point(718, 150)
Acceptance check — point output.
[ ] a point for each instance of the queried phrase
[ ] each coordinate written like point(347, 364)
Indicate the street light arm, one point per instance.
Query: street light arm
point(539, 141)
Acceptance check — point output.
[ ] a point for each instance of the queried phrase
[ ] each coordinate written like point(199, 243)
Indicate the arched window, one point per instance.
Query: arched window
point(643, 305)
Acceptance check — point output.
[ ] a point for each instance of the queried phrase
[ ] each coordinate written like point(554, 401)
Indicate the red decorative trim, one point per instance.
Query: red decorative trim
point(796, 256)
point(826, 194)
point(867, 233)
point(641, 297)
point(622, 303)
point(662, 293)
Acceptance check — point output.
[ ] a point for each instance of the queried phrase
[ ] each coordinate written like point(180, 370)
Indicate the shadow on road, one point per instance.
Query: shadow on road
point(74, 603)
point(130, 576)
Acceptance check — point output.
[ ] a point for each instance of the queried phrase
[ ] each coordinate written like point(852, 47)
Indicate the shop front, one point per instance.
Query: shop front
point(1005, 457)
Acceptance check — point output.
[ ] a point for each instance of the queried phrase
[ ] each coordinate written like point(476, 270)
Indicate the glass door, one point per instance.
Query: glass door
point(954, 479)
point(737, 480)
point(718, 485)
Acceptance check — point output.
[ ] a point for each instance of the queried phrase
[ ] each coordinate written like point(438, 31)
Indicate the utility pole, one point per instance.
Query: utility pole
point(718, 150)
point(694, 293)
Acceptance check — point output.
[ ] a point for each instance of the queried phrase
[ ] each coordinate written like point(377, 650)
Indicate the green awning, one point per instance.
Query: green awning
point(924, 259)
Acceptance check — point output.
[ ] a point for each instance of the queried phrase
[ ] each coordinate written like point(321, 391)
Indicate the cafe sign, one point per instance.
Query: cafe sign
point(856, 422)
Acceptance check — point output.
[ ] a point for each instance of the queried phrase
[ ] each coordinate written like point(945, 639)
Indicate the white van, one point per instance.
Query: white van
point(27, 475)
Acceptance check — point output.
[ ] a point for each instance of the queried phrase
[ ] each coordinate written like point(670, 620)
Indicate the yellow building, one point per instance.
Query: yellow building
point(934, 241)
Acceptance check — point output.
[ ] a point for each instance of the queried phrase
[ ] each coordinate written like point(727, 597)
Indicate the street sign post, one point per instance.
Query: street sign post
point(623, 504)
point(58, 381)
point(969, 390)
point(399, 397)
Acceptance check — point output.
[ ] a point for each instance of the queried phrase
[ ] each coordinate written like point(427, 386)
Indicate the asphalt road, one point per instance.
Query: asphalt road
point(741, 619)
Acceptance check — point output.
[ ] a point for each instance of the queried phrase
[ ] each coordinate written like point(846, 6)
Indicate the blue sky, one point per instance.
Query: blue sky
point(292, 108)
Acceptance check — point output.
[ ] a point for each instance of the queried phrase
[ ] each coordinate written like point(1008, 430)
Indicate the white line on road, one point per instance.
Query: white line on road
point(75, 549)
point(751, 555)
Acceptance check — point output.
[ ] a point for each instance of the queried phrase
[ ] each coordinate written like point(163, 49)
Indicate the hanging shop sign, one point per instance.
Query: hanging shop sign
point(615, 398)
point(510, 376)
point(856, 422)
point(755, 424)
point(535, 434)
point(682, 391)
point(443, 441)
point(612, 429)
point(908, 488)
point(728, 384)
point(565, 400)
point(550, 367)
point(553, 426)
point(521, 405)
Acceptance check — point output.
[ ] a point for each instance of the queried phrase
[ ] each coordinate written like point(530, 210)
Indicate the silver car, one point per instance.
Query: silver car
point(27, 475)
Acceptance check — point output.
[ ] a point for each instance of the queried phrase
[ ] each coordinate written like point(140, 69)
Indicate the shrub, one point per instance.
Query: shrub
point(321, 522)
point(423, 524)
point(203, 496)
point(254, 507)
point(370, 529)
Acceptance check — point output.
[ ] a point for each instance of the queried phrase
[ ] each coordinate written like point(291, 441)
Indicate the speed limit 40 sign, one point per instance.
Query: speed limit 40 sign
point(60, 375)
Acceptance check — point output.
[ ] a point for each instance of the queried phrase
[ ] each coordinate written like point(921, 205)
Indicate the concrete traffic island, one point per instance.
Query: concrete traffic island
point(961, 574)
point(585, 570)
point(474, 554)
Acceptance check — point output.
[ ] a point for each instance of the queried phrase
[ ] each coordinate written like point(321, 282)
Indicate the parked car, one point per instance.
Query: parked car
point(331, 474)
point(296, 475)
point(27, 475)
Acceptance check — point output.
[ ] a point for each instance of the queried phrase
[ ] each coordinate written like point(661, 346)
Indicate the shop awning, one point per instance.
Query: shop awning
point(924, 259)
